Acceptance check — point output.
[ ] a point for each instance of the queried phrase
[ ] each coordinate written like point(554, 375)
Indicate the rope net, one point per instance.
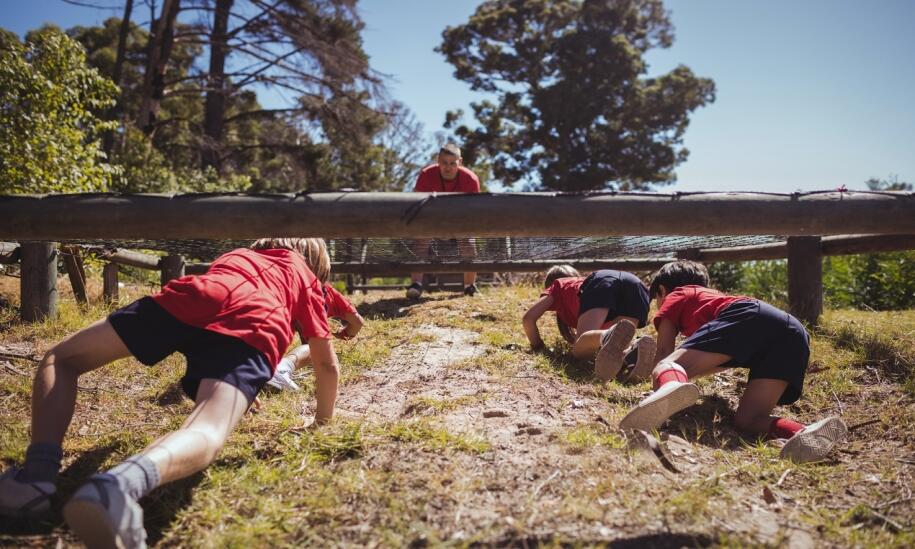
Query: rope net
point(397, 250)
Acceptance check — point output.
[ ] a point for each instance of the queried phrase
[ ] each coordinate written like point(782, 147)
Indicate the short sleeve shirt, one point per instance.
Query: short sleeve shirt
point(258, 296)
point(337, 305)
point(430, 180)
point(690, 307)
point(564, 292)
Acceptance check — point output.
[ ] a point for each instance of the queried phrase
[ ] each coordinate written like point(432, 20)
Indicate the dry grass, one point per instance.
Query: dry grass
point(450, 433)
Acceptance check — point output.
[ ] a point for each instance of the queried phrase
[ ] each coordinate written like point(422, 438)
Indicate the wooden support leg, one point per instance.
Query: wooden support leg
point(73, 261)
point(805, 278)
point(172, 268)
point(110, 290)
point(38, 285)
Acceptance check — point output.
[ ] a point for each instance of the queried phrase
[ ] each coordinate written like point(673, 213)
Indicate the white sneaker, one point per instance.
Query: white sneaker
point(654, 409)
point(24, 499)
point(815, 441)
point(644, 349)
point(102, 515)
point(282, 379)
point(613, 343)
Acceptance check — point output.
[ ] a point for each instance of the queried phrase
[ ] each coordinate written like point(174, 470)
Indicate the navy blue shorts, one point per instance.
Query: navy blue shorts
point(621, 292)
point(151, 334)
point(768, 341)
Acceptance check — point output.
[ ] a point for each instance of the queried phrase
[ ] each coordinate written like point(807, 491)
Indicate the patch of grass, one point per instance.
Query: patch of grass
point(430, 437)
point(584, 437)
point(424, 405)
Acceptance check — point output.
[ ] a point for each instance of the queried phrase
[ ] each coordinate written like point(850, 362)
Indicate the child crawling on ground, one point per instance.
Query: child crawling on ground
point(598, 316)
point(232, 324)
point(337, 307)
point(725, 331)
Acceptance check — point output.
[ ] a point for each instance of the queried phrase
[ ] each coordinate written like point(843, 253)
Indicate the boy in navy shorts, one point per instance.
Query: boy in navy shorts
point(597, 315)
point(337, 307)
point(724, 331)
point(232, 324)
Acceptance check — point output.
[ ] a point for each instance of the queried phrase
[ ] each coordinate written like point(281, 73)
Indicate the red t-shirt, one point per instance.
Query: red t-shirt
point(254, 295)
point(430, 180)
point(337, 305)
point(564, 292)
point(689, 307)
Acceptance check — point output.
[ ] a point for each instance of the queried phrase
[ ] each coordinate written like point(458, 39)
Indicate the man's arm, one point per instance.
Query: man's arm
point(327, 374)
point(529, 321)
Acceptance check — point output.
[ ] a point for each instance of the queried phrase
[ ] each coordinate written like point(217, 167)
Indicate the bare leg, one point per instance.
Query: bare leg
point(54, 389)
point(299, 356)
point(196, 444)
point(420, 249)
point(756, 404)
point(467, 250)
point(590, 330)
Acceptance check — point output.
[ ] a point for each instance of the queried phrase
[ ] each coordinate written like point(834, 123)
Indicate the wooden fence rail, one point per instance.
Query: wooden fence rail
point(367, 215)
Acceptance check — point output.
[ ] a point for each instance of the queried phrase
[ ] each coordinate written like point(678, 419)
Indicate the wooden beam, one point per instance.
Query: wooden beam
point(73, 262)
point(366, 215)
point(134, 259)
point(830, 245)
point(805, 278)
point(38, 285)
point(516, 266)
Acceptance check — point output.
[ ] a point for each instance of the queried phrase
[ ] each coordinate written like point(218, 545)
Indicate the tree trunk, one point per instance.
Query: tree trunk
point(115, 111)
point(215, 105)
point(160, 48)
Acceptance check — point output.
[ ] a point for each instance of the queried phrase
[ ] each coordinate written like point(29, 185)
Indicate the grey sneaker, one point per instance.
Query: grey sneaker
point(654, 410)
point(24, 499)
point(414, 290)
point(282, 378)
point(815, 441)
point(102, 515)
point(613, 345)
point(639, 360)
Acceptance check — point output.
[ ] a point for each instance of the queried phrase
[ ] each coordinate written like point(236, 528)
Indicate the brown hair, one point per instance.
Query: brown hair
point(312, 249)
point(557, 272)
point(678, 273)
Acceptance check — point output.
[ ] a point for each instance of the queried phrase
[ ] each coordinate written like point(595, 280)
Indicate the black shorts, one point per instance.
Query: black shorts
point(768, 341)
point(620, 292)
point(151, 334)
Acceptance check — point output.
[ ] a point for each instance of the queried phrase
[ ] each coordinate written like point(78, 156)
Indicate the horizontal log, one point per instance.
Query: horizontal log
point(346, 215)
point(516, 266)
point(134, 259)
point(830, 245)
point(9, 253)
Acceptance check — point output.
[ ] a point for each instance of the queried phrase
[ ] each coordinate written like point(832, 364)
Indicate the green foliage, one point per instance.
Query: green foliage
point(622, 130)
point(48, 130)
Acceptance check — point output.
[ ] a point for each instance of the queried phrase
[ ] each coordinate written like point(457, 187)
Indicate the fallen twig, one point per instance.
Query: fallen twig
point(863, 424)
point(782, 478)
point(544, 483)
point(19, 356)
point(892, 502)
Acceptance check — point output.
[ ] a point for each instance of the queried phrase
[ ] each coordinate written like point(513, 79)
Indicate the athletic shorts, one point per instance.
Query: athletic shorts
point(151, 334)
point(768, 341)
point(621, 292)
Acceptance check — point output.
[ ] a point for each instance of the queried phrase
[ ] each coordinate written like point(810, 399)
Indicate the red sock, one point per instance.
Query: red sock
point(784, 428)
point(668, 375)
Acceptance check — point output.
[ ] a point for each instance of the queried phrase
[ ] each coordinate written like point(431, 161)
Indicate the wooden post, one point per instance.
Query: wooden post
point(172, 268)
point(73, 261)
point(805, 278)
point(110, 290)
point(38, 285)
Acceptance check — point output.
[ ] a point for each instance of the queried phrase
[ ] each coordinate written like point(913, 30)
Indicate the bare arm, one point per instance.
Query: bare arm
point(529, 321)
point(353, 322)
point(667, 336)
point(327, 374)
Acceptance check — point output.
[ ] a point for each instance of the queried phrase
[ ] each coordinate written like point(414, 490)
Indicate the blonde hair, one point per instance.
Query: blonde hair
point(312, 249)
point(557, 272)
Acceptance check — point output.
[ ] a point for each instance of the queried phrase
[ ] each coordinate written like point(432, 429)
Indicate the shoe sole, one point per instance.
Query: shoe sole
point(815, 445)
point(645, 362)
point(609, 359)
point(654, 414)
point(89, 521)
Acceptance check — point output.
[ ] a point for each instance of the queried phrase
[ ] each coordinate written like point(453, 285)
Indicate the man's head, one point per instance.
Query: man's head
point(678, 273)
point(449, 159)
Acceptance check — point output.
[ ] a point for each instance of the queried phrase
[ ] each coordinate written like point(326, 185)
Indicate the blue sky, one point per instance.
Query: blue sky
point(811, 95)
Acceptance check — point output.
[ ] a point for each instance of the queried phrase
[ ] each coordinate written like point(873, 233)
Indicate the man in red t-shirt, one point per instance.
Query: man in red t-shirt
point(447, 175)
